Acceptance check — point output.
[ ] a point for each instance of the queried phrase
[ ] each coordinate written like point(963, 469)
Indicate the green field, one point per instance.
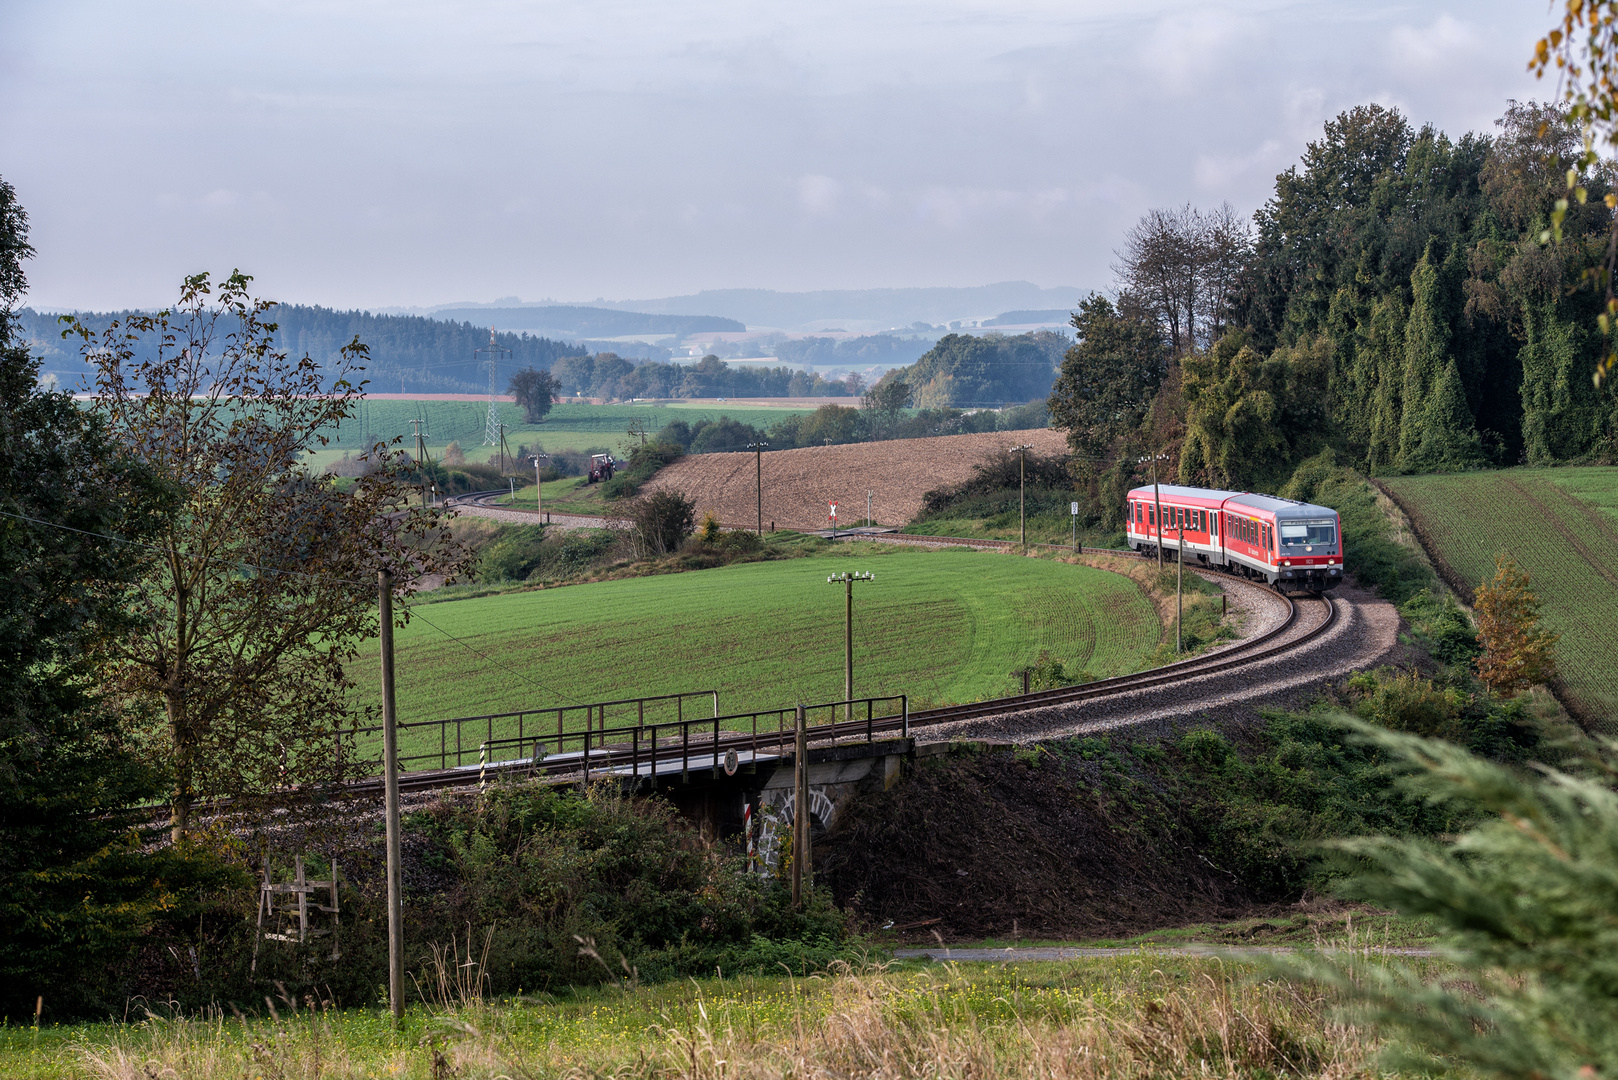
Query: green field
point(568, 427)
point(1561, 525)
point(940, 626)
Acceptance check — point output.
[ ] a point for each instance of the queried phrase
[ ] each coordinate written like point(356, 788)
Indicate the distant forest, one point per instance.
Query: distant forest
point(409, 353)
point(1392, 307)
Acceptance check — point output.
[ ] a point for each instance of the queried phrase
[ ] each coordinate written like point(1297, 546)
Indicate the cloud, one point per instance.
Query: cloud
point(1445, 43)
point(818, 195)
point(1216, 172)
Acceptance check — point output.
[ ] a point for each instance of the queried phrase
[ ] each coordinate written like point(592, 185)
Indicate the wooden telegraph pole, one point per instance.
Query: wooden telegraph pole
point(1157, 499)
point(1179, 580)
point(758, 476)
point(390, 787)
point(1022, 492)
point(848, 581)
point(800, 806)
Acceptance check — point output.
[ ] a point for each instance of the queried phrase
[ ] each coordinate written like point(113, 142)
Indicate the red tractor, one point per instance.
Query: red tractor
point(601, 467)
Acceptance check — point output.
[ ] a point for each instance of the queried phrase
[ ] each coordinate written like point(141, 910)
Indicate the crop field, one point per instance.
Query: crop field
point(799, 483)
point(940, 626)
point(568, 427)
point(1561, 525)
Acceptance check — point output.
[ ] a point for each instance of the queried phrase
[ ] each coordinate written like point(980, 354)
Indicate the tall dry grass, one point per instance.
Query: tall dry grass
point(1163, 1018)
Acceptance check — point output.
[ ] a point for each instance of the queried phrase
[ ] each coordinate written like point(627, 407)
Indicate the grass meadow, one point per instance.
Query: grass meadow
point(942, 626)
point(1139, 1015)
point(568, 427)
point(1561, 525)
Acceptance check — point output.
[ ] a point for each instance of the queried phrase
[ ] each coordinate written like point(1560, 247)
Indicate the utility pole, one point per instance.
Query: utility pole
point(1022, 492)
point(1157, 498)
point(418, 428)
point(848, 580)
point(1179, 580)
point(390, 788)
point(758, 475)
point(800, 805)
point(539, 488)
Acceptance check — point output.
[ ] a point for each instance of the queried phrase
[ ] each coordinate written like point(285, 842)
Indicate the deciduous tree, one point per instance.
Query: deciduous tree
point(1108, 377)
point(266, 574)
point(1517, 651)
point(535, 391)
point(76, 888)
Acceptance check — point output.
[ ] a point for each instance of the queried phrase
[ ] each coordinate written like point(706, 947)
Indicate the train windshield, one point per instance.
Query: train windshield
point(1310, 533)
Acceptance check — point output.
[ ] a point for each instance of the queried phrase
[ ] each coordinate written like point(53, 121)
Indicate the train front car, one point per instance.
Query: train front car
point(1309, 548)
point(1296, 547)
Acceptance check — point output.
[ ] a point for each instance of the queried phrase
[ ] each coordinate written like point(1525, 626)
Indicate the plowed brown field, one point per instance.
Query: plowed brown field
point(799, 483)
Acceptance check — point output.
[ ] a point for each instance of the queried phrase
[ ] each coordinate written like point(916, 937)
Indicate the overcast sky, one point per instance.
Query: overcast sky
point(376, 154)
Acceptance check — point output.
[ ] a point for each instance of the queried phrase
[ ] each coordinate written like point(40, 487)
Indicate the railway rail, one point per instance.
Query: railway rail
point(705, 742)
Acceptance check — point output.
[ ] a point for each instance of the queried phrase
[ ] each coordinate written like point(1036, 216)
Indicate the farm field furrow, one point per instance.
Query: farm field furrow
point(941, 626)
point(1561, 526)
point(798, 484)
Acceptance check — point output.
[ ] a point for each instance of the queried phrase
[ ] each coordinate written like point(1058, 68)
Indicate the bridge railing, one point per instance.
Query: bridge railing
point(461, 738)
point(637, 750)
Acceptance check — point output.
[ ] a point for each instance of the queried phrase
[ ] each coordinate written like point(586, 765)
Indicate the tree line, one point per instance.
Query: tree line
point(405, 353)
point(1393, 302)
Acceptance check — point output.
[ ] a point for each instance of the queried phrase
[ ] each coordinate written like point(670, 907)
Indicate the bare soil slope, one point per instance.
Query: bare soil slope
point(986, 844)
point(799, 483)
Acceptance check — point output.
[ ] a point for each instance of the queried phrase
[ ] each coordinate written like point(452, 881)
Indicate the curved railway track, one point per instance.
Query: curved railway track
point(1295, 632)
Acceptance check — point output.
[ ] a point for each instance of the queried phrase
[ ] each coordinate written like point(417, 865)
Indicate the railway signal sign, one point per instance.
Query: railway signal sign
point(832, 517)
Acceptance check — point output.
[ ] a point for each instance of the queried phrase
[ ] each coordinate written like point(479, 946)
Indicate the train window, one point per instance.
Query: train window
point(1301, 533)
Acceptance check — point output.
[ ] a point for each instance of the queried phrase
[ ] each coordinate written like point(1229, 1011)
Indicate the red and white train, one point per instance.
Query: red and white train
point(1296, 547)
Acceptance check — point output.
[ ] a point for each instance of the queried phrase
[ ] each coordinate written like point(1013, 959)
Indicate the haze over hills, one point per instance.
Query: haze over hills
point(846, 309)
point(578, 322)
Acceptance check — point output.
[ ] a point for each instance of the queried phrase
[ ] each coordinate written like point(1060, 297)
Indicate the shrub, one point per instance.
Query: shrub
point(644, 463)
point(663, 520)
point(1517, 651)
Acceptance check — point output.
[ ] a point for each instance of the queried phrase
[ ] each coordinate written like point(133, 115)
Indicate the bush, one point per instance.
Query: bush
point(663, 520)
point(1442, 626)
point(547, 868)
point(644, 463)
point(540, 553)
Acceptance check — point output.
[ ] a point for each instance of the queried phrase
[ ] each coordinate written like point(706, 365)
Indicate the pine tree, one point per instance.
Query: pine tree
point(1527, 912)
point(1517, 651)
